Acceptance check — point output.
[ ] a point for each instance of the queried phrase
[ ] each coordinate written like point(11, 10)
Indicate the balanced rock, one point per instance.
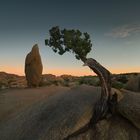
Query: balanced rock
point(33, 67)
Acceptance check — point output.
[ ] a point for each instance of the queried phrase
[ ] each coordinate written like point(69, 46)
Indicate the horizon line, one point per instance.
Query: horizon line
point(94, 74)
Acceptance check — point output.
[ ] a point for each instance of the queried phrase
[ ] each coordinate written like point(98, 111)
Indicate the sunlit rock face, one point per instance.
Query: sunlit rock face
point(33, 67)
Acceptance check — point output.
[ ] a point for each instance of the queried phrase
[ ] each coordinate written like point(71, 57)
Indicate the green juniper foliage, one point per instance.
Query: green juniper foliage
point(65, 40)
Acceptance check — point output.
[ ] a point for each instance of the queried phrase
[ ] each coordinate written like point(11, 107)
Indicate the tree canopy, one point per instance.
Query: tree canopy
point(69, 40)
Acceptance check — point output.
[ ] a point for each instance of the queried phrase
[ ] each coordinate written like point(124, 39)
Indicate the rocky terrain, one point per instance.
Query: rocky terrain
point(62, 107)
point(55, 113)
point(130, 81)
point(12, 81)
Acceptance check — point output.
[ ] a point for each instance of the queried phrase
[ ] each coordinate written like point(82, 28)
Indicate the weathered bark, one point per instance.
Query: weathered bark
point(105, 105)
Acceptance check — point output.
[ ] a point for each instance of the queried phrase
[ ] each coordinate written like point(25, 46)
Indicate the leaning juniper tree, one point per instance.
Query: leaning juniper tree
point(78, 43)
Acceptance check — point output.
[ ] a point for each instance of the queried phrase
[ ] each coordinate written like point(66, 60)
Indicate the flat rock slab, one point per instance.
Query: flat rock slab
point(53, 118)
point(53, 113)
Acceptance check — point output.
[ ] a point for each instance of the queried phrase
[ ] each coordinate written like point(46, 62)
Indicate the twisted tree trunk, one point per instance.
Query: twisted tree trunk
point(105, 105)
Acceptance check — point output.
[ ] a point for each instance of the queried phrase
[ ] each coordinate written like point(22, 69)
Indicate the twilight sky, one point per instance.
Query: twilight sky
point(114, 27)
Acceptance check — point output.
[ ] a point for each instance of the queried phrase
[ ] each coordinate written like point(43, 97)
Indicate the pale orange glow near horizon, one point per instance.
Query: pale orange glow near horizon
point(124, 70)
point(84, 71)
point(12, 70)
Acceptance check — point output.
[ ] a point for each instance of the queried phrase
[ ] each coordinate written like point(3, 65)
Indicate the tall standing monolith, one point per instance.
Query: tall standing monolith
point(33, 67)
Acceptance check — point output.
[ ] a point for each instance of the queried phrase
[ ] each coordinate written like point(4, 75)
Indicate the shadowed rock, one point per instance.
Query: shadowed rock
point(33, 67)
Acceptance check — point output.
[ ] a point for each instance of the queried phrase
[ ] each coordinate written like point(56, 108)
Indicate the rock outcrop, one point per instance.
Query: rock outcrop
point(33, 67)
point(133, 84)
point(8, 80)
point(66, 112)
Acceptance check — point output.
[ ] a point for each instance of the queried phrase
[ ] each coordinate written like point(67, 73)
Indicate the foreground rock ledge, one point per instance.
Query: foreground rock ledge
point(62, 114)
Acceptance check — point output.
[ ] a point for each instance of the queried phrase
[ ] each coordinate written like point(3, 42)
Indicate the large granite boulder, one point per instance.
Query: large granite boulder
point(133, 84)
point(33, 67)
point(66, 112)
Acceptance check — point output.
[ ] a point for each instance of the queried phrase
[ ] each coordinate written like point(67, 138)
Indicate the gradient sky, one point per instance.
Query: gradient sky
point(114, 26)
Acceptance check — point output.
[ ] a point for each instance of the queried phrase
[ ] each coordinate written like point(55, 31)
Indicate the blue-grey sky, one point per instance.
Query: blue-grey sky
point(114, 27)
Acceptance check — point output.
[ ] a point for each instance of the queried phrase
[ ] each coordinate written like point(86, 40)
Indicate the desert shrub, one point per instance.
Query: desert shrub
point(117, 85)
point(63, 82)
point(11, 81)
point(55, 82)
point(98, 83)
point(88, 80)
point(3, 85)
point(123, 79)
point(66, 84)
point(42, 84)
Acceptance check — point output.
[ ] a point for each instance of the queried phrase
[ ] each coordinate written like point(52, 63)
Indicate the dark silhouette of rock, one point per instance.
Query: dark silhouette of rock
point(33, 67)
